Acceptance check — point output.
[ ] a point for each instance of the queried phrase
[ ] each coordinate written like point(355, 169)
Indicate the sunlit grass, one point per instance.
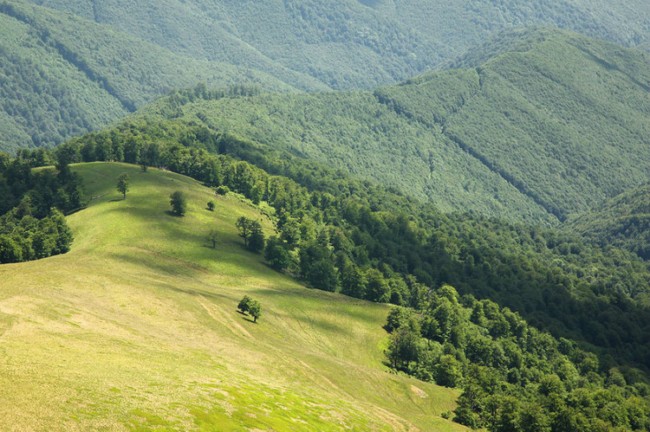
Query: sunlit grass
point(136, 329)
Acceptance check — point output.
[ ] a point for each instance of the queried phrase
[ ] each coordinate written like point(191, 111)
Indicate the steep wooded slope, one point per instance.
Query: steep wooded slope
point(348, 43)
point(551, 123)
point(623, 221)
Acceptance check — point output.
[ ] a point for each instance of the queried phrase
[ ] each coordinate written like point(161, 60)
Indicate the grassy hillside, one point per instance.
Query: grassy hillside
point(136, 329)
point(549, 124)
point(623, 221)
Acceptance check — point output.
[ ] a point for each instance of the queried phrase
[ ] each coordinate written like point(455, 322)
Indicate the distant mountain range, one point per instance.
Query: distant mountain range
point(536, 126)
point(72, 66)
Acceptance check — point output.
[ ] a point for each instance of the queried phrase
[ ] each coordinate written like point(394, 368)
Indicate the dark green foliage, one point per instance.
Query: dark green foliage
point(256, 240)
point(255, 309)
point(249, 306)
point(31, 223)
point(514, 379)
point(123, 184)
point(623, 221)
point(403, 348)
point(251, 231)
point(10, 251)
point(178, 201)
point(244, 304)
point(210, 205)
point(222, 190)
point(276, 254)
point(317, 266)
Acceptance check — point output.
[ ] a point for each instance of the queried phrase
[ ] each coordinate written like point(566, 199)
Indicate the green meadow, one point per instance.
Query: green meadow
point(136, 328)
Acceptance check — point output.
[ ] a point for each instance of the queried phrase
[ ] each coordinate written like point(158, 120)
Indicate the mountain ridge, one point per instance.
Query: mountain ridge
point(531, 135)
point(142, 50)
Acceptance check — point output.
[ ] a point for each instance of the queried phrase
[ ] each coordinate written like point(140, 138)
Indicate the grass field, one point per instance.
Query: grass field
point(136, 329)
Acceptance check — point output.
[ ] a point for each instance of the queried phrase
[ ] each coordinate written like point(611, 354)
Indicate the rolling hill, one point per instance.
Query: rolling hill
point(136, 329)
point(536, 126)
point(68, 67)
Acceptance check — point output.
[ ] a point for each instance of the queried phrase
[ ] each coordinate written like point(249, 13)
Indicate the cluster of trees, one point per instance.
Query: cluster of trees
point(32, 225)
point(249, 306)
point(514, 377)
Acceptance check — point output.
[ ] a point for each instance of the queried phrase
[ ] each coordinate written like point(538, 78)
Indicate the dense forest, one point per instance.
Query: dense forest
point(61, 76)
point(514, 378)
point(32, 206)
point(623, 221)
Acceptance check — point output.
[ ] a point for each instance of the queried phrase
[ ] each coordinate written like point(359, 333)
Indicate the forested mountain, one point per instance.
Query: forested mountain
point(62, 76)
point(548, 124)
point(78, 70)
point(623, 221)
point(350, 43)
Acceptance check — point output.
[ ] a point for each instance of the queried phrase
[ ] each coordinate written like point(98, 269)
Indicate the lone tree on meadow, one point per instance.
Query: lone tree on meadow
point(244, 304)
point(178, 202)
point(123, 184)
point(255, 309)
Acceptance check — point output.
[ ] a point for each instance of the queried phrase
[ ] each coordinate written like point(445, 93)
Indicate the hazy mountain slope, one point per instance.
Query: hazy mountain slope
point(466, 23)
point(552, 124)
point(62, 76)
point(566, 120)
point(43, 97)
point(341, 43)
point(623, 221)
point(348, 43)
point(144, 49)
point(136, 329)
point(356, 133)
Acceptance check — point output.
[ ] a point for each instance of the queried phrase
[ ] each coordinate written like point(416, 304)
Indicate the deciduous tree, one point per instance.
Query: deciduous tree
point(178, 202)
point(123, 184)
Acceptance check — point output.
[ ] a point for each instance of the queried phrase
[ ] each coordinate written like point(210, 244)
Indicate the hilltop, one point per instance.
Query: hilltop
point(136, 328)
point(546, 125)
